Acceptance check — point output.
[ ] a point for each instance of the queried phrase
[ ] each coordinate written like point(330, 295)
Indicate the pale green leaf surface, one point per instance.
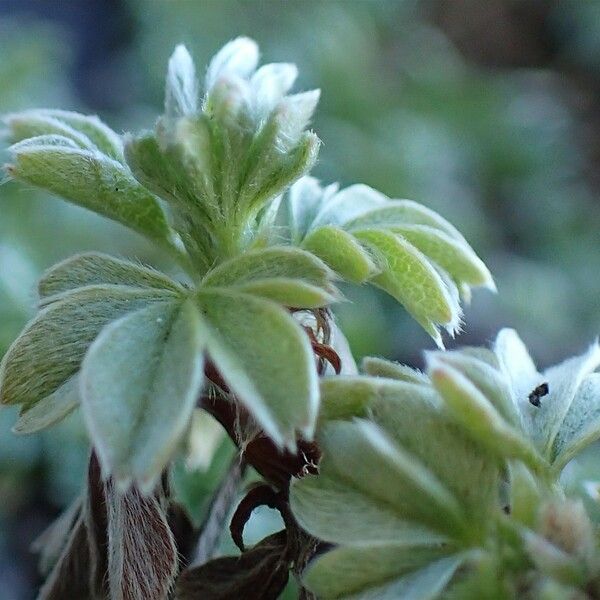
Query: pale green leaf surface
point(51, 409)
point(381, 573)
point(265, 358)
point(95, 268)
point(51, 347)
point(473, 363)
point(237, 58)
point(399, 213)
point(95, 182)
point(453, 255)
point(440, 444)
point(103, 137)
point(380, 367)
point(471, 408)
point(334, 511)
point(273, 262)
point(304, 200)
point(410, 278)
point(293, 293)
point(360, 455)
point(525, 494)
point(348, 204)
point(341, 252)
point(140, 381)
point(581, 425)
point(563, 381)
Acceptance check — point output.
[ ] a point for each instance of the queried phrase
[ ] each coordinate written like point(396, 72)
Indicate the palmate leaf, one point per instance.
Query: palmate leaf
point(265, 358)
point(404, 248)
point(140, 381)
point(289, 276)
point(50, 349)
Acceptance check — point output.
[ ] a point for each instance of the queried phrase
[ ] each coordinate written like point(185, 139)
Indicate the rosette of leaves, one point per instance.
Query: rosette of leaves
point(400, 246)
point(446, 483)
point(138, 350)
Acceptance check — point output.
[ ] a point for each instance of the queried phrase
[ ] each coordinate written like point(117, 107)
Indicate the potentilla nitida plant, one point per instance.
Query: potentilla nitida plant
point(392, 483)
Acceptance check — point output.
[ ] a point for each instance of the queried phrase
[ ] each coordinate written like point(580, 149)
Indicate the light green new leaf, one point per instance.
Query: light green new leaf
point(265, 358)
point(51, 409)
point(341, 252)
point(380, 367)
point(269, 263)
point(140, 381)
point(563, 381)
point(50, 349)
point(399, 213)
point(290, 292)
point(305, 198)
point(362, 457)
point(416, 418)
point(409, 277)
point(382, 573)
point(334, 510)
point(95, 268)
point(39, 122)
point(181, 94)
point(454, 255)
point(96, 182)
point(581, 425)
point(477, 415)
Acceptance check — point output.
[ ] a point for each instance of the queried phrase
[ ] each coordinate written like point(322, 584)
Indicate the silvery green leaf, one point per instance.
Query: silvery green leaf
point(265, 358)
point(398, 213)
point(94, 268)
point(102, 137)
point(289, 292)
point(51, 409)
point(305, 198)
point(517, 365)
point(563, 382)
point(453, 255)
point(481, 368)
point(340, 344)
point(341, 252)
point(350, 396)
point(181, 95)
point(237, 58)
point(269, 85)
point(336, 511)
point(416, 418)
point(37, 123)
point(140, 381)
point(379, 367)
point(293, 114)
point(44, 140)
point(581, 425)
point(382, 573)
point(270, 263)
point(348, 204)
point(409, 277)
point(362, 457)
point(50, 348)
point(96, 182)
point(470, 407)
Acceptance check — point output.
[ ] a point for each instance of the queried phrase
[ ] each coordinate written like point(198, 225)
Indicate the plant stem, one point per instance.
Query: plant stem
point(219, 510)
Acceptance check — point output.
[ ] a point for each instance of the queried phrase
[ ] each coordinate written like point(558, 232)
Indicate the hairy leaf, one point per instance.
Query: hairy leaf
point(382, 573)
point(181, 96)
point(96, 182)
point(51, 409)
point(94, 268)
point(140, 381)
point(341, 252)
point(50, 349)
point(379, 367)
point(409, 277)
point(266, 360)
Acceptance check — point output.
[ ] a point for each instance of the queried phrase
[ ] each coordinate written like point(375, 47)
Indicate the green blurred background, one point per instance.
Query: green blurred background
point(488, 112)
